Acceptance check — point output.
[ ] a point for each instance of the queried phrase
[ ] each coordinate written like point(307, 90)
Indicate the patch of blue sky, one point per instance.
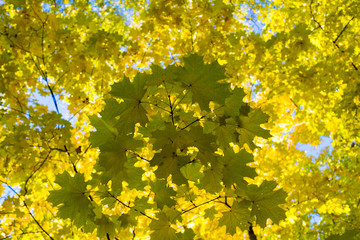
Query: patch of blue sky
point(47, 101)
point(315, 151)
point(255, 90)
point(251, 17)
point(46, 7)
point(315, 219)
point(8, 192)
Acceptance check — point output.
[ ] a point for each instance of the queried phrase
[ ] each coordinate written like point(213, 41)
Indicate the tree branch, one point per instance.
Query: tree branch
point(334, 42)
point(33, 173)
point(343, 30)
point(128, 206)
point(137, 155)
point(196, 206)
point(52, 93)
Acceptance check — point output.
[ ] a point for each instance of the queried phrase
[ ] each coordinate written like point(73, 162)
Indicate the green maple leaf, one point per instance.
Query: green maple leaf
point(128, 91)
point(160, 75)
point(106, 124)
point(226, 132)
point(169, 136)
point(105, 131)
point(111, 110)
point(131, 110)
point(116, 166)
point(105, 226)
point(238, 216)
point(234, 103)
point(235, 167)
point(128, 219)
point(250, 127)
point(265, 201)
point(162, 229)
point(163, 194)
point(202, 80)
point(113, 155)
point(187, 235)
point(72, 198)
point(169, 162)
point(197, 138)
point(140, 206)
point(134, 174)
point(172, 214)
point(210, 213)
point(211, 181)
point(192, 171)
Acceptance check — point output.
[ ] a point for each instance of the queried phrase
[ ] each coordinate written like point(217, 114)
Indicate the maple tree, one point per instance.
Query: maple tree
point(184, 119)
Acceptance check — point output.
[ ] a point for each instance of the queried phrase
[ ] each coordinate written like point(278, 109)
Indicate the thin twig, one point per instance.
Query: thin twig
point(73, 165)
point(35, 171)
point(196, 206)
point(334, 42)
point(343, 30)
point(52, 93)
point(137, 155)
point(128, 206)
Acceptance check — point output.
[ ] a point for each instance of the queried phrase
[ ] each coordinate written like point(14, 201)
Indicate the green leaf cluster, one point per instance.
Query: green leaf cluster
point(180, 123)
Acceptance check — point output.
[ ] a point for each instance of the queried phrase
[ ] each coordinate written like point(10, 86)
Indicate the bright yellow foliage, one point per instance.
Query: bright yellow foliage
point(298, 61)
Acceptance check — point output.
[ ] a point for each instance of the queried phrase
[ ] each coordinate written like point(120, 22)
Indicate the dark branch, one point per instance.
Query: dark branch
point(35, 171)
point(343, 30)
point(128, 206)
point(252, 235)
point(334, 42)
point(52, 94)
point(196, 206)
point(196, 120)
point(73, 164)
point(137, 155)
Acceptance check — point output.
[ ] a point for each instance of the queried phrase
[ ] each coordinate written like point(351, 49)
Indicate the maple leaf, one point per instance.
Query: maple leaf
point(265, 201)
point(234, 104)
point(105, 226)
point(249, 127)
point(192, 171)
point(187, 235)
point(140, 205)
point(116, 165)
point(131, 110)
point(169, 162)
point(238, 216)
point(235, 167)
point(210, 213)
point(163, 194)
point(162, 229)
point(104, 131)
point(202, 80)
point(72, 198)
point(212, 179)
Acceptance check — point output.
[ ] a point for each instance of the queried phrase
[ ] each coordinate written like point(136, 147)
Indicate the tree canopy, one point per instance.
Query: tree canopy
point(179, 119)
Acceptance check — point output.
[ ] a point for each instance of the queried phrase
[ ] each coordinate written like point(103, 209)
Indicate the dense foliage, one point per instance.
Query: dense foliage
point(179, 119)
